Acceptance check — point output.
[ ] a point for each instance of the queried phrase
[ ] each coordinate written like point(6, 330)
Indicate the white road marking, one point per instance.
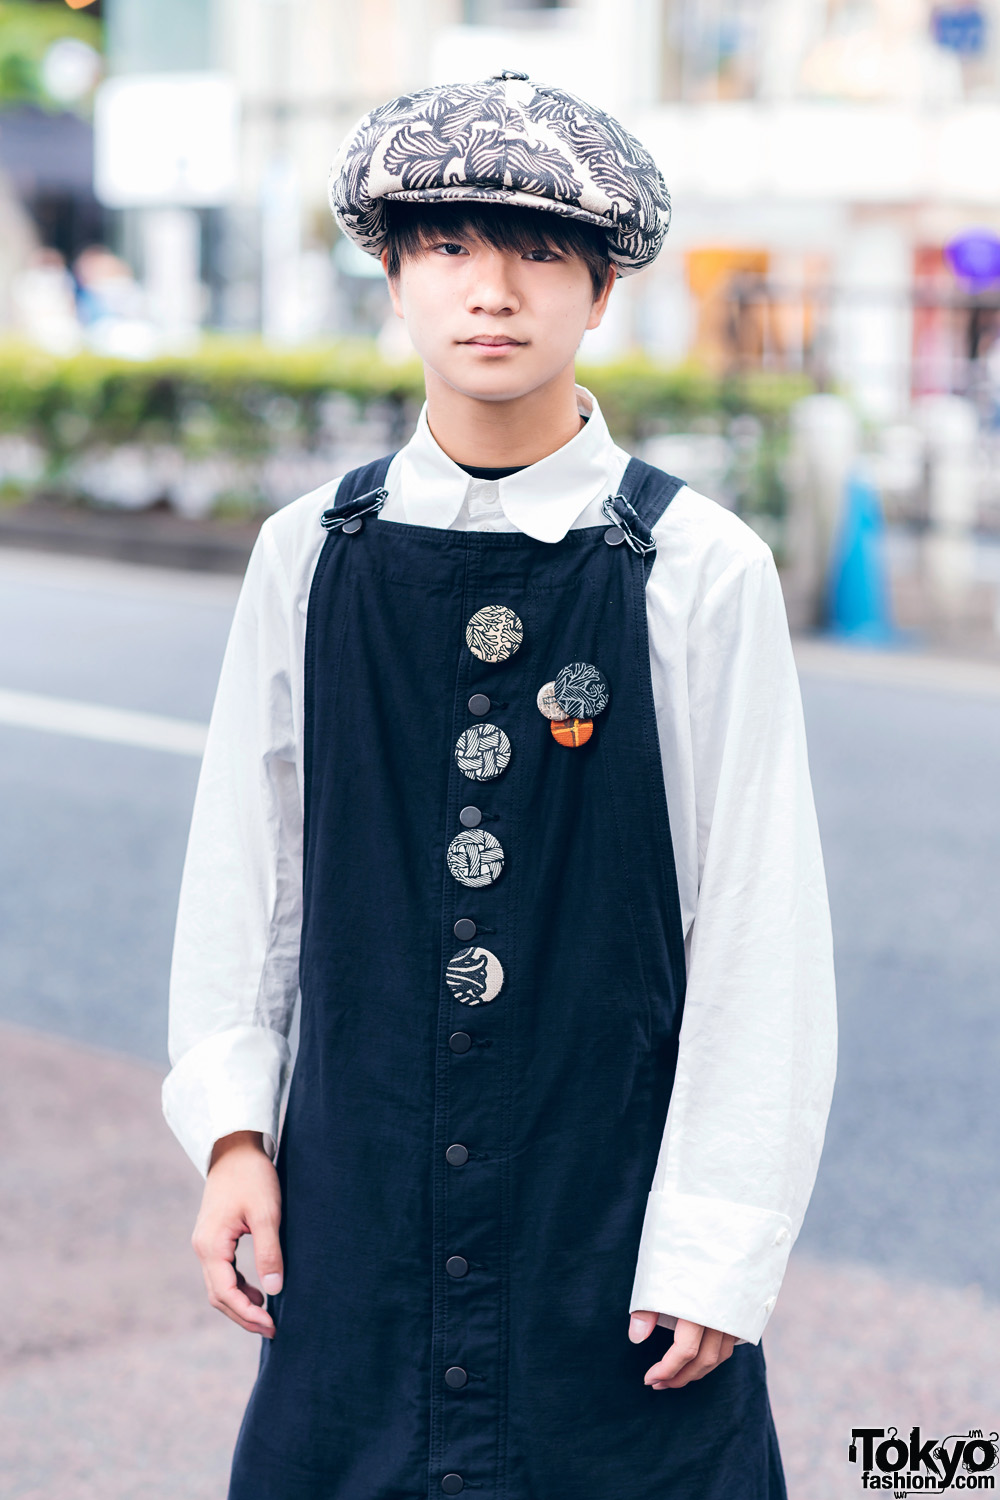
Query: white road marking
point(93, 721)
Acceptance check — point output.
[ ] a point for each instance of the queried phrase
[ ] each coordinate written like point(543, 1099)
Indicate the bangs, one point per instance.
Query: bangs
point(413, 227)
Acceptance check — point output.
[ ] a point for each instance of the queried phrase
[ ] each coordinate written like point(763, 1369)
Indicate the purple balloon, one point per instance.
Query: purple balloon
point(975, 256)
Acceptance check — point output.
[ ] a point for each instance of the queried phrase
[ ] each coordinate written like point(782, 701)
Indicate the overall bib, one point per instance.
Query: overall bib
point(492, 976)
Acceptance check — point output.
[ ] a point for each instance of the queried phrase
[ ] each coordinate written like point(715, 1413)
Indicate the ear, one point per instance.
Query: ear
point(601, 301)
point(393, 286)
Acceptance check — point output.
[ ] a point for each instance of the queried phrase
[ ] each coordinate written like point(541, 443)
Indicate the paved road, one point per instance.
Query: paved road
point(908, 790)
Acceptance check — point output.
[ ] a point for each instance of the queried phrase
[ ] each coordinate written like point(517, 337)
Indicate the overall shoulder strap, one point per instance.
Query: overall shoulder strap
point(364, 484)
point(643, 496)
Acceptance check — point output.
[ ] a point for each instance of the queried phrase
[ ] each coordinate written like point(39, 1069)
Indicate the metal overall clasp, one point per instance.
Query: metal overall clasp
point(628, 521)
point(350, 520)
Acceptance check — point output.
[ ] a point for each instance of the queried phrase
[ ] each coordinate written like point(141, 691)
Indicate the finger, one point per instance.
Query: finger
point(641, 1325)
point(267, 1249)
point(687, 1342)
point(225, 1296)
point(253, 1292)
point(706, 1359)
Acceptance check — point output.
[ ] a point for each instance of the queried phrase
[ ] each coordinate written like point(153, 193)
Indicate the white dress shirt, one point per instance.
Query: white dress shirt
point(758, 1040)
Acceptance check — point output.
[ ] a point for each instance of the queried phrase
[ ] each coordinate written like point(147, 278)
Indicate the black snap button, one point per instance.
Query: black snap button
point(455, 1376)
point(457, 1265)
point(452, 1484)
point(470, 817)
point(479, 704)
point(460, 1041)
point(353, 525)
point(614, 536)
point(465, 929)
point(457, 1156)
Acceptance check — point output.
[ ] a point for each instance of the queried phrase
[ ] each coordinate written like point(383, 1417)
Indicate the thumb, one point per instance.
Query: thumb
point(641, 1325)
point(267, 1252)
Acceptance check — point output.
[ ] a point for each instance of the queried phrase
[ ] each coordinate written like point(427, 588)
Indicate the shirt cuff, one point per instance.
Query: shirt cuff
point(711, 1261)
point(233, 1080)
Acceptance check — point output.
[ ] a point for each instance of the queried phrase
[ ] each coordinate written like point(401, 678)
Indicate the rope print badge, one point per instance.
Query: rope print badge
point(482, 752)
point(581, 690)
point(475, 857)
point(494, 633)
point(474, 976)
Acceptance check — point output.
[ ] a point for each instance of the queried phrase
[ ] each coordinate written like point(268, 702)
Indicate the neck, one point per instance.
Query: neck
point(501, 434)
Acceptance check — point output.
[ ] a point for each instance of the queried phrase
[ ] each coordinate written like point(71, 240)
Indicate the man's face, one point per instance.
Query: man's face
point(493, 324)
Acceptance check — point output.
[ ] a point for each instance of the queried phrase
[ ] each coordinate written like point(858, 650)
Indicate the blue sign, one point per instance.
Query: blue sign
point(962, 29)
point(975, 257)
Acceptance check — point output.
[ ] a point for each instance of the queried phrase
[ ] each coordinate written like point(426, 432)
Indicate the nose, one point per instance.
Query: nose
point(491, 287)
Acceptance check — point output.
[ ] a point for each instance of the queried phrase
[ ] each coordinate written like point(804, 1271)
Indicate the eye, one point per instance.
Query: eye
point(450, 248)
point(541, 255)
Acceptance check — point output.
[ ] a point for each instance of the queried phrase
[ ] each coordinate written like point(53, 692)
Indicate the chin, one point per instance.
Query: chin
point(495, 384)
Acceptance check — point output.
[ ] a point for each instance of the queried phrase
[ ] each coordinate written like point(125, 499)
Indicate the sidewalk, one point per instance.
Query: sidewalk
point(120, 1383)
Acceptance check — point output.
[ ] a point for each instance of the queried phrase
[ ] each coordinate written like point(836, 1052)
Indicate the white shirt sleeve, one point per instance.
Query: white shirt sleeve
point(758, 1046)
point(234, 974)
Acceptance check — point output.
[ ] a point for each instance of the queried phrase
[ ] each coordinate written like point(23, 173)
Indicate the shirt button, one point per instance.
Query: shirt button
point(351, 527)
point(452, 1484)
point(460, 1041)
point(479, 704)
point(470, 817)
point(781, 1236)
point(457, 1265)
point(614, 536)
point(457, 1156)
point(465, 929)
point(456, 1377)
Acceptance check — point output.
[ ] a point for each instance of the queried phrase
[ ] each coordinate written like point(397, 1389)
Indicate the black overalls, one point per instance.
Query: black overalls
point(474, 1119)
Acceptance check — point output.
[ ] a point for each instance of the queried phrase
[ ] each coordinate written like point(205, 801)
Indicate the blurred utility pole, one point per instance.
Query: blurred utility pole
point(280, 195)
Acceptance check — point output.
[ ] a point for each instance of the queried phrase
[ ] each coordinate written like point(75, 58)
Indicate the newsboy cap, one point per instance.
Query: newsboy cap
point(502, 140)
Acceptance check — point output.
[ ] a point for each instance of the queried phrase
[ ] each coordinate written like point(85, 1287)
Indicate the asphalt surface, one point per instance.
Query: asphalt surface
point(895, 1279)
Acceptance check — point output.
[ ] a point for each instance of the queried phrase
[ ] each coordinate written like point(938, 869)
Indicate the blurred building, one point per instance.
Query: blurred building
point(820, 153)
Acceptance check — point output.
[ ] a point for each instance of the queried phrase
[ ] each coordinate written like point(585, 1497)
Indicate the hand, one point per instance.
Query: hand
point(242, 1196)
point(694, 1351)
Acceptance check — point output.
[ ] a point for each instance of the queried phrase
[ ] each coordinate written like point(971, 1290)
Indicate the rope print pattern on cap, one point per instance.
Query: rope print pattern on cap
point(475, 857)
point(482, 752)
point(508, 141)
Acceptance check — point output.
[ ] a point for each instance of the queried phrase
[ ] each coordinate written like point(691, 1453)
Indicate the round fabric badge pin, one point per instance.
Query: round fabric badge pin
point(482, 752)
point(582, 690)
point(572, 731)
point(494, 633)
point(475, 857)
point(474, 976)
point(548, 703)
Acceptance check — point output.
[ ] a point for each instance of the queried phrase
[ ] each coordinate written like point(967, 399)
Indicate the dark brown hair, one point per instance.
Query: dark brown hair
point(412, 227)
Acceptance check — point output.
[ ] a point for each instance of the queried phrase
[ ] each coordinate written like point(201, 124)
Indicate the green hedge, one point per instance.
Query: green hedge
point(238, 395)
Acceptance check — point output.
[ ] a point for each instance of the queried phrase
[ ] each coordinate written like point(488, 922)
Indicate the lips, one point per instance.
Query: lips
point(494, 341)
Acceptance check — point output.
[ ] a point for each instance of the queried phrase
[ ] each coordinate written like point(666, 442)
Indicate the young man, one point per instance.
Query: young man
point(561, 1058)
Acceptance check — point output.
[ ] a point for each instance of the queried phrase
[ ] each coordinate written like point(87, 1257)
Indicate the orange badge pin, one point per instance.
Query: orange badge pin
point(572, 731)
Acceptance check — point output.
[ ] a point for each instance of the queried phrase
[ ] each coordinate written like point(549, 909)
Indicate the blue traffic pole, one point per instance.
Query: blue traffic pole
point(858, 600)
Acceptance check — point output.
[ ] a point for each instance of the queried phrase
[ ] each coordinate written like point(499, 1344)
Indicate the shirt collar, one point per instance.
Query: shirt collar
point(543, 499)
